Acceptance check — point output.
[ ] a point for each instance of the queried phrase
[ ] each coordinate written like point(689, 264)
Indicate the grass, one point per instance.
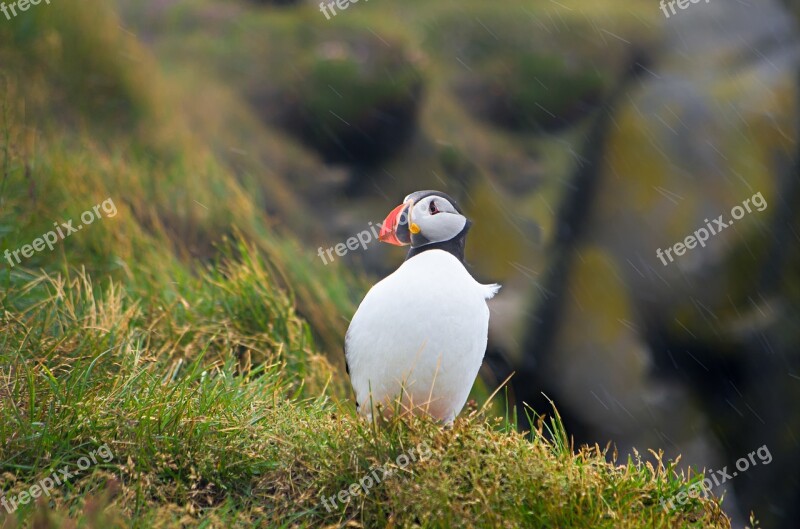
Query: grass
point(219, 410)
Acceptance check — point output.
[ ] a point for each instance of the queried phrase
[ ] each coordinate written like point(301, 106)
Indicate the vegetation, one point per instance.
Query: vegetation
point(203, 431)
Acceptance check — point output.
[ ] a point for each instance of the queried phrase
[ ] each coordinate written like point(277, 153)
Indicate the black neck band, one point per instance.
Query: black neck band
point(454, 246)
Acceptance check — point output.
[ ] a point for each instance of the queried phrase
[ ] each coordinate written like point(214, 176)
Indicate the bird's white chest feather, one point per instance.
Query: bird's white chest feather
point(422, 331)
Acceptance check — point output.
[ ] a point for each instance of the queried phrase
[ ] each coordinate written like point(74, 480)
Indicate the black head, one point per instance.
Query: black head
point(427, 220)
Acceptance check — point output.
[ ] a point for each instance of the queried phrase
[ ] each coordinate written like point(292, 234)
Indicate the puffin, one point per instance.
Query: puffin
point(419, 336)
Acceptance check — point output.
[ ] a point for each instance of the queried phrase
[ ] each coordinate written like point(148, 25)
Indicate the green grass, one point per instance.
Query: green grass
point(218, 409)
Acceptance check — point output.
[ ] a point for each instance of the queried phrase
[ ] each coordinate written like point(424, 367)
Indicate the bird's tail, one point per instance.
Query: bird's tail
point(491, 290)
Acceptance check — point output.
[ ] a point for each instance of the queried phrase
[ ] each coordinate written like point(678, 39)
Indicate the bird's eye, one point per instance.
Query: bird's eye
point(433, 208)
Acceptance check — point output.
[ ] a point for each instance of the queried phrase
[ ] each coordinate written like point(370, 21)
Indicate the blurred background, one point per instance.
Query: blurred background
point(579, 136)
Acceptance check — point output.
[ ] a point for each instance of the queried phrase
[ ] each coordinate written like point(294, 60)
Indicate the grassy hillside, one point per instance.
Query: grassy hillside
point(216, 410)
point(183, 336)
point(88, 116)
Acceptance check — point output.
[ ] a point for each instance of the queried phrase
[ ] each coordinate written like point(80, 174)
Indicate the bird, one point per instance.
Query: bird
point(419, 336)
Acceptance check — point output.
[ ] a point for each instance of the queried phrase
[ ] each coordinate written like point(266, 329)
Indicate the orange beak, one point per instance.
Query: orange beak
point(394, 229)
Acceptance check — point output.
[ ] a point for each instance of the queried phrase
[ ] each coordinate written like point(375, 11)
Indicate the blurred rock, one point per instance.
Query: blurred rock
point(713, 123)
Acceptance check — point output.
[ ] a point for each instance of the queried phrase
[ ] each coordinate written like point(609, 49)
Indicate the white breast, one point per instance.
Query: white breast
point(421, 332)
